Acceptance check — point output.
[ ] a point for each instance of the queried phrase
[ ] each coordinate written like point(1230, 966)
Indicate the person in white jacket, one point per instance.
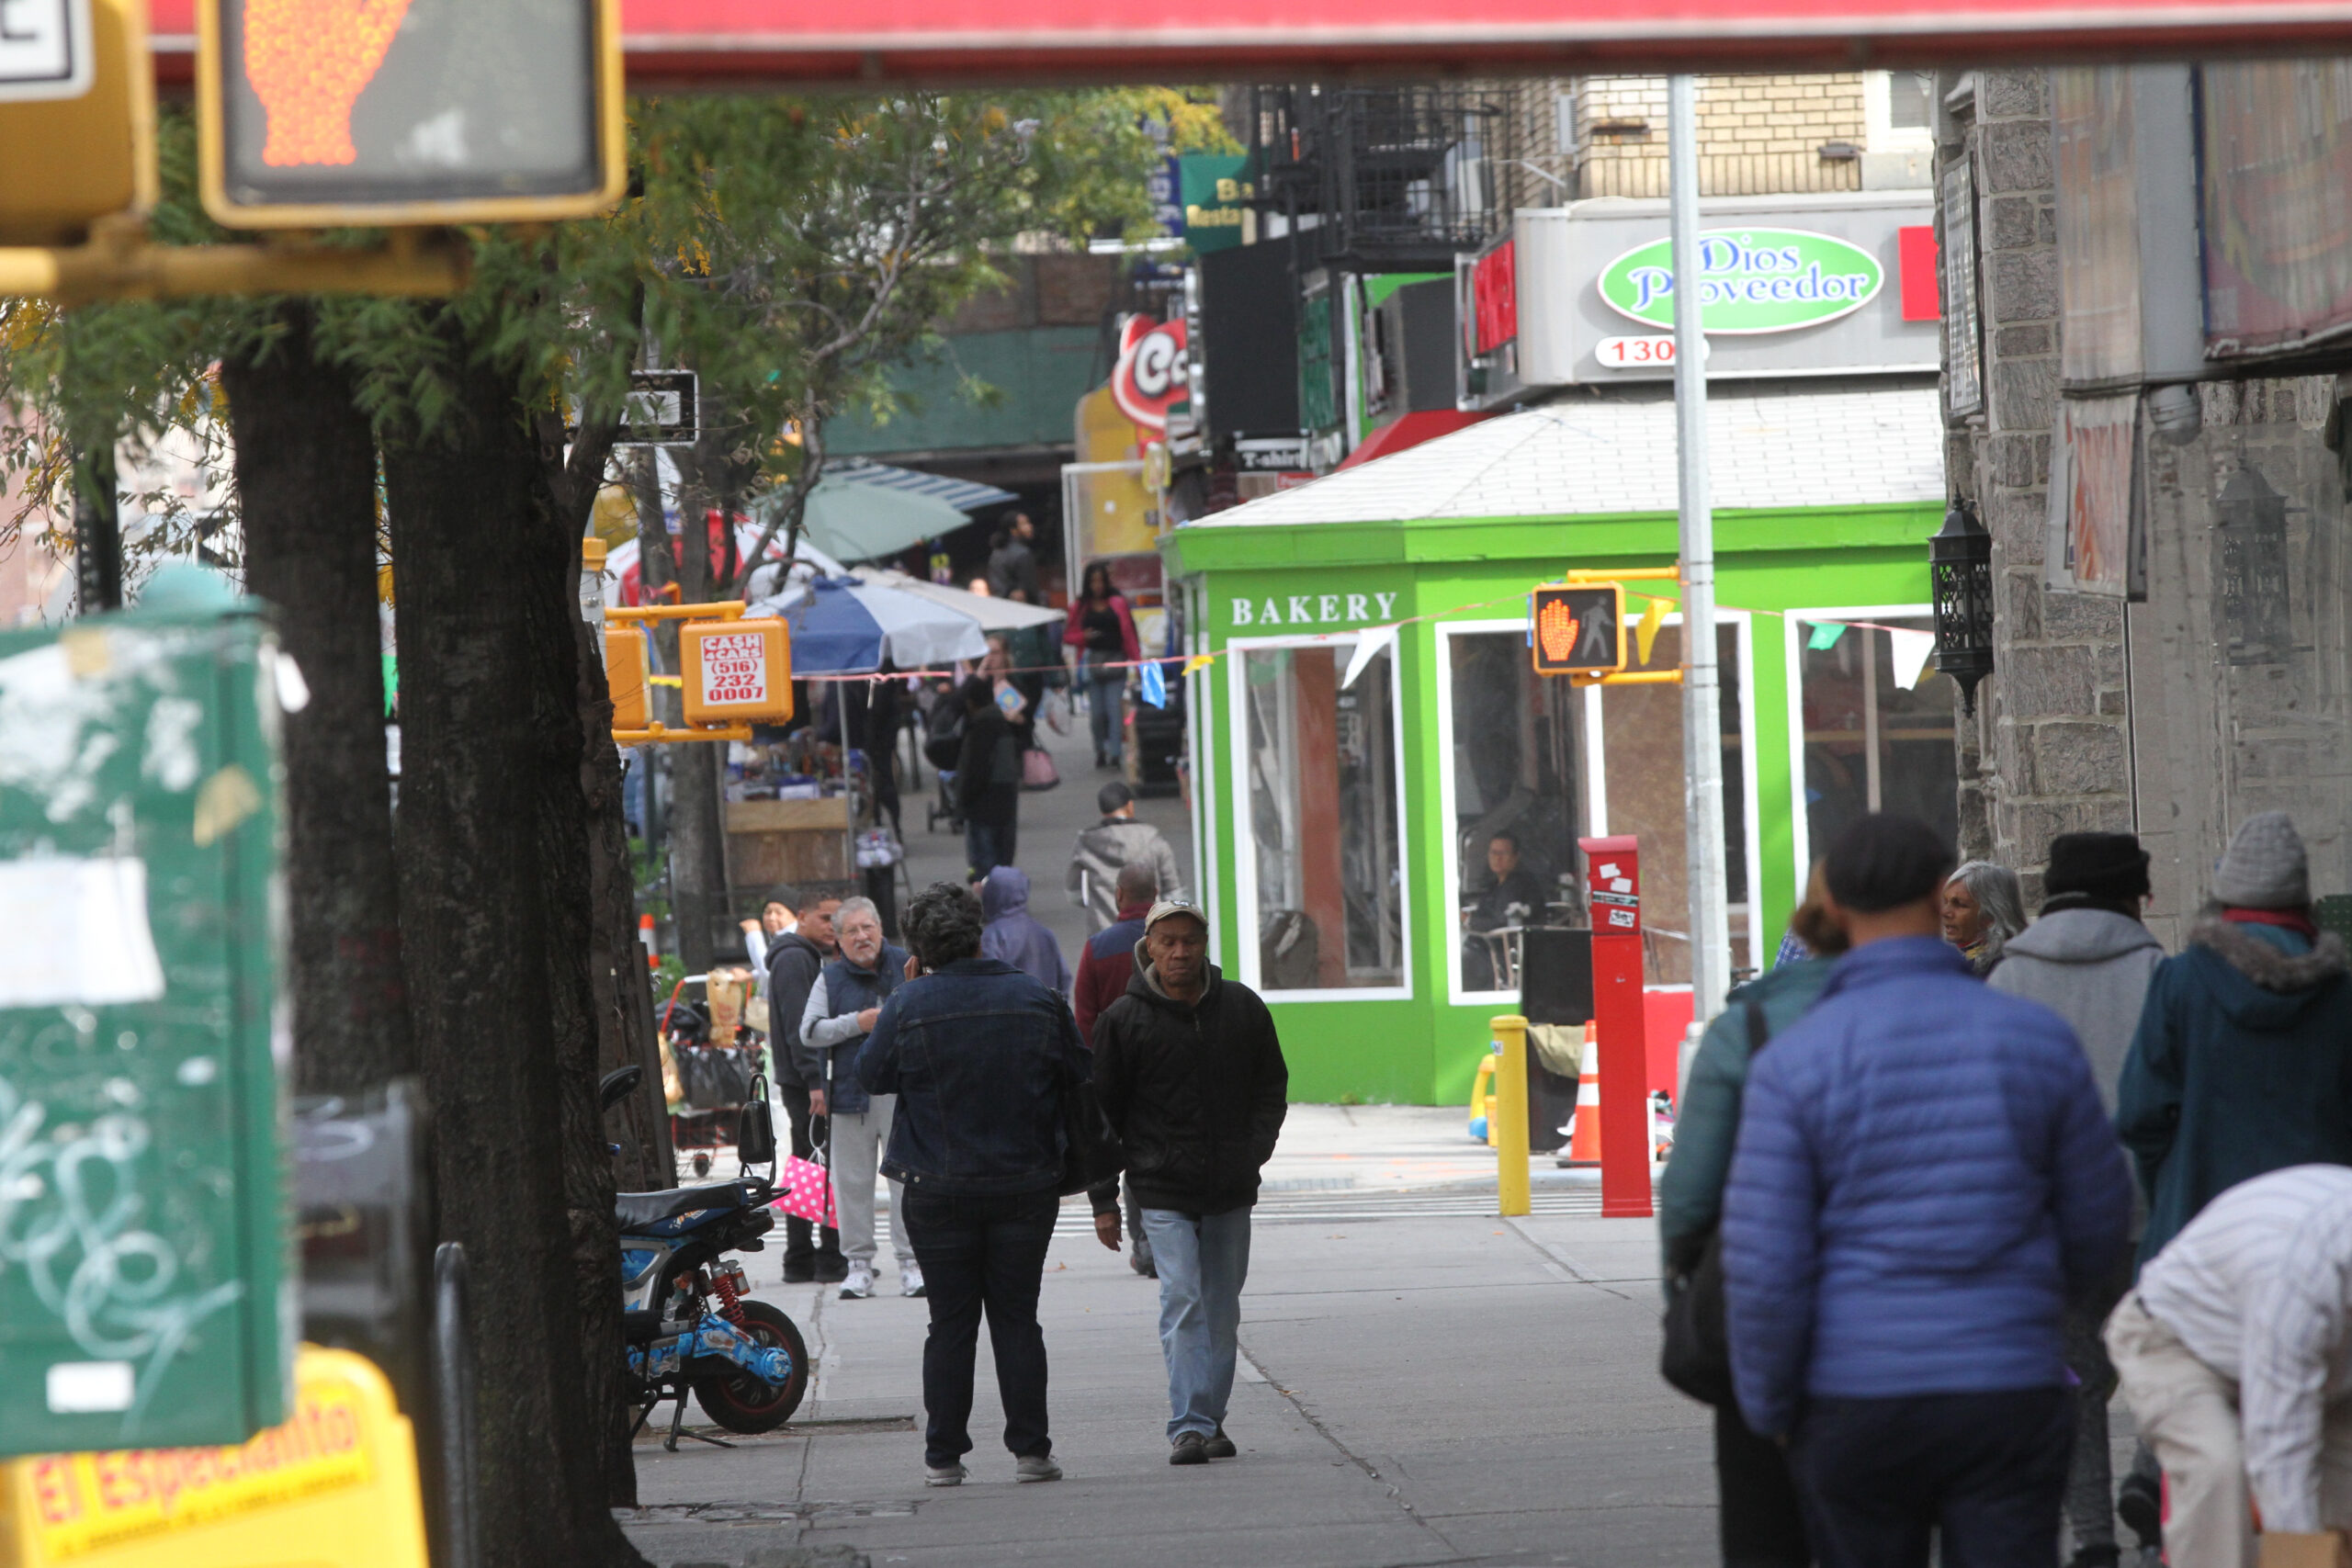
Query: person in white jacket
point(2235, 1351)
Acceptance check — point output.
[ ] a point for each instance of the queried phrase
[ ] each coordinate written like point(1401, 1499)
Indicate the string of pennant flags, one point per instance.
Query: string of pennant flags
point(1911, 647)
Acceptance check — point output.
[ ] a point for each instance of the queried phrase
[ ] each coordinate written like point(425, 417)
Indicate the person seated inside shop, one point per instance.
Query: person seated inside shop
point(1512, 899)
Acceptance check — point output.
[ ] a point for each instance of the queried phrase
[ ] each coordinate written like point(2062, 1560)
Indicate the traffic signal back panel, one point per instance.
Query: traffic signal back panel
point(1579, 631)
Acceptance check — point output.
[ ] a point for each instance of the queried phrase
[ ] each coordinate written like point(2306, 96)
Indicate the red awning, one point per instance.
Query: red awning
point(1410, 430)
point(785, 43)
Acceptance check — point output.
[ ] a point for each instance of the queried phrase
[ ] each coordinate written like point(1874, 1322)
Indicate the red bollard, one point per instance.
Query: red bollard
point(1613, 874)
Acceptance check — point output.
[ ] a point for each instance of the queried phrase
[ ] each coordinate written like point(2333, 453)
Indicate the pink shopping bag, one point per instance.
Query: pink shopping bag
point(808, 1191)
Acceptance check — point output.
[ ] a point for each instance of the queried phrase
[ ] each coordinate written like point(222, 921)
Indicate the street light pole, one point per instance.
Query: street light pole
point(1702, 752)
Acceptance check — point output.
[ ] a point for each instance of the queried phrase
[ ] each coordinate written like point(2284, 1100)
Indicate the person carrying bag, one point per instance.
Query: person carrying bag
point(1761, 1524)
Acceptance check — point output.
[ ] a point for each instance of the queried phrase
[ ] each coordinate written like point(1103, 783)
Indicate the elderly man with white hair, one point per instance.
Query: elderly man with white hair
point(843, 1006)
point(2235, 1354)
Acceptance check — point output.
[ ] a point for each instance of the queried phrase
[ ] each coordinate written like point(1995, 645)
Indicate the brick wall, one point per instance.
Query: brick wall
point(1757, 135)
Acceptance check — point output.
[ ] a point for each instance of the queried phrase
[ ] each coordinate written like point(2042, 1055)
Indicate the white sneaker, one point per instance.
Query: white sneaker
point(910, 1278)
point(860, 1283)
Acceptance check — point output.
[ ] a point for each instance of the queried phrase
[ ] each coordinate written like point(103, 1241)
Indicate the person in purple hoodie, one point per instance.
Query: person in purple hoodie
point(1015, 936)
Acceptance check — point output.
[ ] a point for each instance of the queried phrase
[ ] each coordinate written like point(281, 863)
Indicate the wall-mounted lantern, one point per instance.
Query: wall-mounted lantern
point(1960, 559)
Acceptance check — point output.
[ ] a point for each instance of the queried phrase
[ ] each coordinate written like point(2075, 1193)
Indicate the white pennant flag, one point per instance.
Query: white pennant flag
point(1910, 650)
point(1369, 646)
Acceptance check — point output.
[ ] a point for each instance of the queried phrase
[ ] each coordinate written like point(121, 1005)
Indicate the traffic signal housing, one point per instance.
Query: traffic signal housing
point(1579, 630)
point(387, 113)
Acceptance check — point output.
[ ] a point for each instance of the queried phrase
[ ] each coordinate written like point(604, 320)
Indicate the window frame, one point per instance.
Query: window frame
point(1594, 746)
point(1245, 844)
point(1800, 819)
point(1880, 132)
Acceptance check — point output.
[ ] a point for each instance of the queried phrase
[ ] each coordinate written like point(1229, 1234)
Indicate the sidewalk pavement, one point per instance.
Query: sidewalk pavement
point(1460, 1390)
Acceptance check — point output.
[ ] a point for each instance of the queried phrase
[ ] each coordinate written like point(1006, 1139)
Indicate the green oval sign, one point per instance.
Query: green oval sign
point(1750, 280)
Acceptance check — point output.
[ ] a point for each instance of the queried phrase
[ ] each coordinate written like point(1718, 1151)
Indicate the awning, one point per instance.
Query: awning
point(992, 614)
point(964, 496)
point(1411, 430)
point(862, 511)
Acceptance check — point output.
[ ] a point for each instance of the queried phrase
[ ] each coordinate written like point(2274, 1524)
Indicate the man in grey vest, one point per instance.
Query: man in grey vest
point(839, 1016)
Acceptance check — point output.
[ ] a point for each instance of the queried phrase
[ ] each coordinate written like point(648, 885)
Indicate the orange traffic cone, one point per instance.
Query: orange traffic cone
point(1584, 1141)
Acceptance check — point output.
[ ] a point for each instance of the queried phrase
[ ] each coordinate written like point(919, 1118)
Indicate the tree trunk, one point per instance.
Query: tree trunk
point(306, 477)
point(494, 887)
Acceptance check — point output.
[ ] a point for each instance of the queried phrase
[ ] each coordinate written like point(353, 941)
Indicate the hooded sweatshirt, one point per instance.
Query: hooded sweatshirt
point(2091, 967)
point(1017, 937)
point(1103, 849)
point(2242, 1064)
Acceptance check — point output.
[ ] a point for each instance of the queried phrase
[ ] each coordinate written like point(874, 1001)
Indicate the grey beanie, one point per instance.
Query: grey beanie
point(2264, 867)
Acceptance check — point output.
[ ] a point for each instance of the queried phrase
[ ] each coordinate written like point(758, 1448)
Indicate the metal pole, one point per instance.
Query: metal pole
point(1702, 752)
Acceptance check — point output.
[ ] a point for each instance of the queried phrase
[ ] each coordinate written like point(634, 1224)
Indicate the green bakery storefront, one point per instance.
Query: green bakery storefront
point(1383, 790)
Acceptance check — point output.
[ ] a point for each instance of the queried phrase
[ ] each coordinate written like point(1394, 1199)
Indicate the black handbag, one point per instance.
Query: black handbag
point(1091, 1153)
point(755, 1127)
point(1697, 1355)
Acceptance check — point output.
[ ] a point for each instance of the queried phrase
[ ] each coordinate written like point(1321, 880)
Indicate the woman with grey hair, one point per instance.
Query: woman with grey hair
point(1982, 909)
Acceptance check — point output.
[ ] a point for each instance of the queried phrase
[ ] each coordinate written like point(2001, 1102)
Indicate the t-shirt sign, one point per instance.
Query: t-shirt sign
point(736, 672)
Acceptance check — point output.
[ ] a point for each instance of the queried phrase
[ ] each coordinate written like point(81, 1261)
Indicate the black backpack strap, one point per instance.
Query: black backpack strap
point(1759, 1029)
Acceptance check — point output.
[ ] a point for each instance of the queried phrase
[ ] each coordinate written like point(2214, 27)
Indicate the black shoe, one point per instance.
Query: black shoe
point(832, 1272)
point(1190, 1448)
point(800, 1274)
point(2138, 1505)
point(1219, 1447)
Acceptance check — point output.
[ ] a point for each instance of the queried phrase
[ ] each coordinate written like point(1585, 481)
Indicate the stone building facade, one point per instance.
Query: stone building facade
point(2228, 690)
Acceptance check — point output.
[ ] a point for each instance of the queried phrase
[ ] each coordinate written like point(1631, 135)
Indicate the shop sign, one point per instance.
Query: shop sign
point(1255, 611)
point(1213, 191)
point(1271, 454)
point(1494, 299)
point(1750, 280)
point(1149, 379)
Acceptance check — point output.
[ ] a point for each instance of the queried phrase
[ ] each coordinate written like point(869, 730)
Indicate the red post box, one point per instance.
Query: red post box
point(1614, 880)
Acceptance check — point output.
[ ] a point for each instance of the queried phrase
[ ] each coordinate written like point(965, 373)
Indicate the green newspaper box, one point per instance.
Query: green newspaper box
point(145, 1290)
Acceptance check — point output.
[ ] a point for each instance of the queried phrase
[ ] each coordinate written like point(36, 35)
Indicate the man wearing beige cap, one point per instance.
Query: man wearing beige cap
point(1192, 1080)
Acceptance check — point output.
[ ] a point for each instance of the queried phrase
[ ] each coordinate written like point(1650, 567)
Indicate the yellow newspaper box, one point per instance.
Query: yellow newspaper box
point(335, 1487)
point(736, 672)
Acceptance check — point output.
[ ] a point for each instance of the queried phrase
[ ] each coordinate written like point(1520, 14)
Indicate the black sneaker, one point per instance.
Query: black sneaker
point(800, 1274)
point(2138, 1505)
point(1190, 1448)
point(1220, 1446)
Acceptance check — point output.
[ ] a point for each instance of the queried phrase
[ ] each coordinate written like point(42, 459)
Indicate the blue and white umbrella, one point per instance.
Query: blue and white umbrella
point(842, 626)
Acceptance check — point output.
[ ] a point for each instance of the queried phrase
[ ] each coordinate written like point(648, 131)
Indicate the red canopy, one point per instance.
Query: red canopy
point(786, 43)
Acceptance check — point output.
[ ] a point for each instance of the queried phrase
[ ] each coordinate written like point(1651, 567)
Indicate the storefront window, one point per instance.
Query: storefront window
point(1642, 747)
point(1871, 743)
point(1517, 744)
point(1323, 819)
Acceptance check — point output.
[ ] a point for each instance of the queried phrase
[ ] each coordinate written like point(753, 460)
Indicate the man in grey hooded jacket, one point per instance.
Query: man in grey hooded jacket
point(2088, 959)
point(1116, 841)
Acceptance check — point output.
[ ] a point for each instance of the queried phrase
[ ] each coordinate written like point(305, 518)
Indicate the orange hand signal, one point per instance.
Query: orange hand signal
point(309, 61)
point(1557, 629)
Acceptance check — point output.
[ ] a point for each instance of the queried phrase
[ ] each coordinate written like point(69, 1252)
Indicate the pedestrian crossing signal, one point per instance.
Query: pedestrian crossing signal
point(1579, 631)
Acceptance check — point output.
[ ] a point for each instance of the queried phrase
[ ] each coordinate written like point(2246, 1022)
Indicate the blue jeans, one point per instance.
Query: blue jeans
point(1105, 689)
point(1202, 1265)
point(986, 845)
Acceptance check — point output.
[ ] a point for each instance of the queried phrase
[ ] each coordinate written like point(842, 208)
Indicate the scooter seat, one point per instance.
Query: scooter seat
point(641, 1211)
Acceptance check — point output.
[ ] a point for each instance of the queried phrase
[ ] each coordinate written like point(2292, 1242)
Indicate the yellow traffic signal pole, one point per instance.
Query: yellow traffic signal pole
point(119, 262)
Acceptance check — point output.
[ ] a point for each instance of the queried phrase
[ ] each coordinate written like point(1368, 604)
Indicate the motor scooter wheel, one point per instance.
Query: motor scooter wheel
point(738, 1400)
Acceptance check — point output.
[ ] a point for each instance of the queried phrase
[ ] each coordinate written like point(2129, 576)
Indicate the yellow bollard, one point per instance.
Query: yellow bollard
point(1510, 1120)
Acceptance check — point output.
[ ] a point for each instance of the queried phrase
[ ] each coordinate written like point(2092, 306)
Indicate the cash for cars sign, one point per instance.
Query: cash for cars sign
point(1750, 280)
point(736, 672)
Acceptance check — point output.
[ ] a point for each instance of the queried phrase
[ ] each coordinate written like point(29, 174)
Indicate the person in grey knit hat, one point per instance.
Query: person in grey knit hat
point(2256, 1013)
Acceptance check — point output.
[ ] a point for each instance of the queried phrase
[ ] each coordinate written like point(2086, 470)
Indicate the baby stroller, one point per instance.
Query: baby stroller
point(942, 744)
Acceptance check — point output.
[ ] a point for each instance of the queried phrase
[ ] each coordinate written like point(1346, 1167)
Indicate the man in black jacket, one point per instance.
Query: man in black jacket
point(1192, 1080)
point(795, 960)
point(988, 780)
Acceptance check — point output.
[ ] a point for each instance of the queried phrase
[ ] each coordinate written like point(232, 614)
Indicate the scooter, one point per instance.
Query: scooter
point(686, 1322)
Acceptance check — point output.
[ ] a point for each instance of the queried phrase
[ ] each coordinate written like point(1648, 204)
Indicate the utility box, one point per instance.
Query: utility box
point(146, 1298)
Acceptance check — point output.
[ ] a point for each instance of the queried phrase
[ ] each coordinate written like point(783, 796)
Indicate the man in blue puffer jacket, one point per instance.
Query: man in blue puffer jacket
point(1924, 1176)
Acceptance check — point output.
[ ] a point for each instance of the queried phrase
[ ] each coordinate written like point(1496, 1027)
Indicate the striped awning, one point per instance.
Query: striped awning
point(964, 496)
